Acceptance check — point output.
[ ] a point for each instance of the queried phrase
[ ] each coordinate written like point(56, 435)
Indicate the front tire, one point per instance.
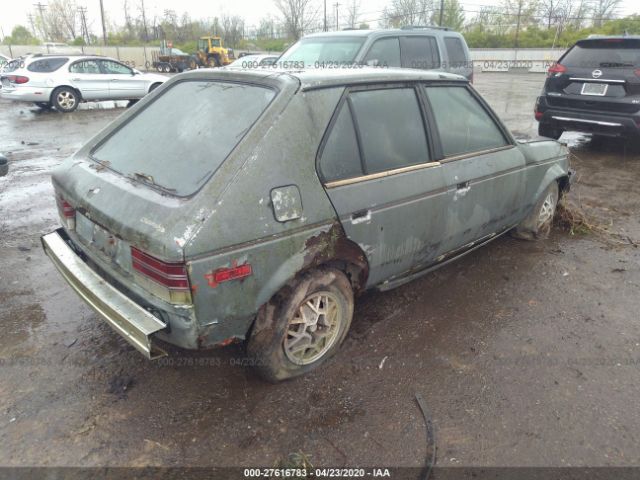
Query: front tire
point(545, 130)
point(65, 99)
point(537, 225)
point(302, 326)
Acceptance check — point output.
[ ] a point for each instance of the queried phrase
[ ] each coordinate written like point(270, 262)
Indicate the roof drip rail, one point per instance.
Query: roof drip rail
point(418, 27)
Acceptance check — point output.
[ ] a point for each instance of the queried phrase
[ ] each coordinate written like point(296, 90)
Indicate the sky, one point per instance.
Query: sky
point(14, 12)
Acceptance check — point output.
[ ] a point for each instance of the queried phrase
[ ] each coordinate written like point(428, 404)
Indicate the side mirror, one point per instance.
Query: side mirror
point(4, 166)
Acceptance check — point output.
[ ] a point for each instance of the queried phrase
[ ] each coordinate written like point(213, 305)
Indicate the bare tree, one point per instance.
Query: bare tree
point(353, 12)
point(579, 11)
point(604, 10)
point(298, 15)
point(408, 12)
point(233, 28)
point(58, 21)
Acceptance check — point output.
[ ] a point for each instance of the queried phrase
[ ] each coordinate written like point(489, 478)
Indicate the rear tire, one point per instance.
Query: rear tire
point(65, 99)
point(302, 326)
point(545, 130)
point(537, 225)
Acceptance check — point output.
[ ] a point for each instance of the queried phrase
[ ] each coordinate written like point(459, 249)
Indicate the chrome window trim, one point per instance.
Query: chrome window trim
point(386, 173)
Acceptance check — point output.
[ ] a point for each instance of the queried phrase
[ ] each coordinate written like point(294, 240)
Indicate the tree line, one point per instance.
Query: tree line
point(512, 23)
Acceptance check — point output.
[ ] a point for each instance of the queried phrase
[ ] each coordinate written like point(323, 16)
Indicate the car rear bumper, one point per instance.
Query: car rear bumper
point(26, 94)
point(126, 317)
point(589, 122)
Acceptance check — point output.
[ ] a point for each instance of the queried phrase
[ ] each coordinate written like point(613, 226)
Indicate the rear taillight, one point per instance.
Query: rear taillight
point(536, 110)
point(171, 277)
point(67, 212)
point(555, 69)
point(18, 79)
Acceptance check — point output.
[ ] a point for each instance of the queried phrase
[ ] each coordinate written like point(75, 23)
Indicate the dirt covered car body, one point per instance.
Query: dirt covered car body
point(333, 180)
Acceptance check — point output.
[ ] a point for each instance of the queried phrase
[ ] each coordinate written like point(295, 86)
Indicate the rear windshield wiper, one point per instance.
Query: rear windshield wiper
point(148, 180)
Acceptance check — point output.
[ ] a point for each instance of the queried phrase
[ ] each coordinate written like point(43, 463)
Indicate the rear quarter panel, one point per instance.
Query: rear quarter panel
point(242, 225)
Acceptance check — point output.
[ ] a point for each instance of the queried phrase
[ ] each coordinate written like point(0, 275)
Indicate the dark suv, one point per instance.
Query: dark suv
point(594, 88)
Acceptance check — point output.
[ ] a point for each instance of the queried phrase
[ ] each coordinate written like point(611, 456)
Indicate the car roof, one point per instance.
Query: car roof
point(596, 37)
point(409, 30)
point(323, 78)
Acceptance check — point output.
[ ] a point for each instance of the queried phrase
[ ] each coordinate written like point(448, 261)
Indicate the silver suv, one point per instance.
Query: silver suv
point(63, 81)
point(425, 48)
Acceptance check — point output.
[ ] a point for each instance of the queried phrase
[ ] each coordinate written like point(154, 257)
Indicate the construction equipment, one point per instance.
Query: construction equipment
point(212, 53)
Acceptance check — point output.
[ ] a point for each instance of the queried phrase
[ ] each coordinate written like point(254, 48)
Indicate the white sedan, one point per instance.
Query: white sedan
point(63, 81)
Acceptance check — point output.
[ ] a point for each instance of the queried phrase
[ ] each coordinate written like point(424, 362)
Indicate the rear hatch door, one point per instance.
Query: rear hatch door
point(138, 183)
point(601, 75)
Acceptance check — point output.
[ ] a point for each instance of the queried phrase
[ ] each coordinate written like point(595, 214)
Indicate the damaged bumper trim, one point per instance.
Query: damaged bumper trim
point(126, 317)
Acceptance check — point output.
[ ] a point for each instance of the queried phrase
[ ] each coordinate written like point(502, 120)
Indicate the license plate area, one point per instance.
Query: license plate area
point(97, 237)
point(594, 89)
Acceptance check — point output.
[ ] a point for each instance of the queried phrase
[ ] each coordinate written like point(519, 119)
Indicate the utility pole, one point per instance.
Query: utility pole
point(325, 15)
point(33, 24)
point(337, 5)
point(144, 21)
point(104, 29)
point(83, 21)
point(518, 22)
point(441, 12)
point(41, 8)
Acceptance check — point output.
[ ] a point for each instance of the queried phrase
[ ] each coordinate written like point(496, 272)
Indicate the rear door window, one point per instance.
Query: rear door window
point(390, 127)
point(46, 65)
point(384, 53)
point(420, 52)
point(455, 52)
point(463, 124)
point(179, 140)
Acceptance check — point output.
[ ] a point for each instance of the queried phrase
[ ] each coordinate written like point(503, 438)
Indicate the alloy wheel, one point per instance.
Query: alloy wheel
point(314, 328)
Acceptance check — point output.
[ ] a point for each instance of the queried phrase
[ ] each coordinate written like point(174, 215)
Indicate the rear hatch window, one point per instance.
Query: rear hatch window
point(180, 139)
point(605, 53)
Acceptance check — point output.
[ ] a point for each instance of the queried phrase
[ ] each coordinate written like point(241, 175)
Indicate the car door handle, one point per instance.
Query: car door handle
point(76, 79)
point(360, 216)
point(463, 185)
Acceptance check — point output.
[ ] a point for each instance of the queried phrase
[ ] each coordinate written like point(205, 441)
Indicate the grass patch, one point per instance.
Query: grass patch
point(574, 220)
point(295, 461)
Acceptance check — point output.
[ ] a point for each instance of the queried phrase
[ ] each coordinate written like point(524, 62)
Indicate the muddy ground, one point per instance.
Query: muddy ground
point(527, 354)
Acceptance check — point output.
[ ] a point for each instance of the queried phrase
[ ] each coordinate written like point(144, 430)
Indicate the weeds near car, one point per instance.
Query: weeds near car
point(295, 461)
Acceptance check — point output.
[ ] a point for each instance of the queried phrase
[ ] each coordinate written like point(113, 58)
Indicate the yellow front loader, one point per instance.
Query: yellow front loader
point(212, 53)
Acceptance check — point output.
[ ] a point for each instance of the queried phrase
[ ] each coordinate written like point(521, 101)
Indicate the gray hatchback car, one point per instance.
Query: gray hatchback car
point(267, 200)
